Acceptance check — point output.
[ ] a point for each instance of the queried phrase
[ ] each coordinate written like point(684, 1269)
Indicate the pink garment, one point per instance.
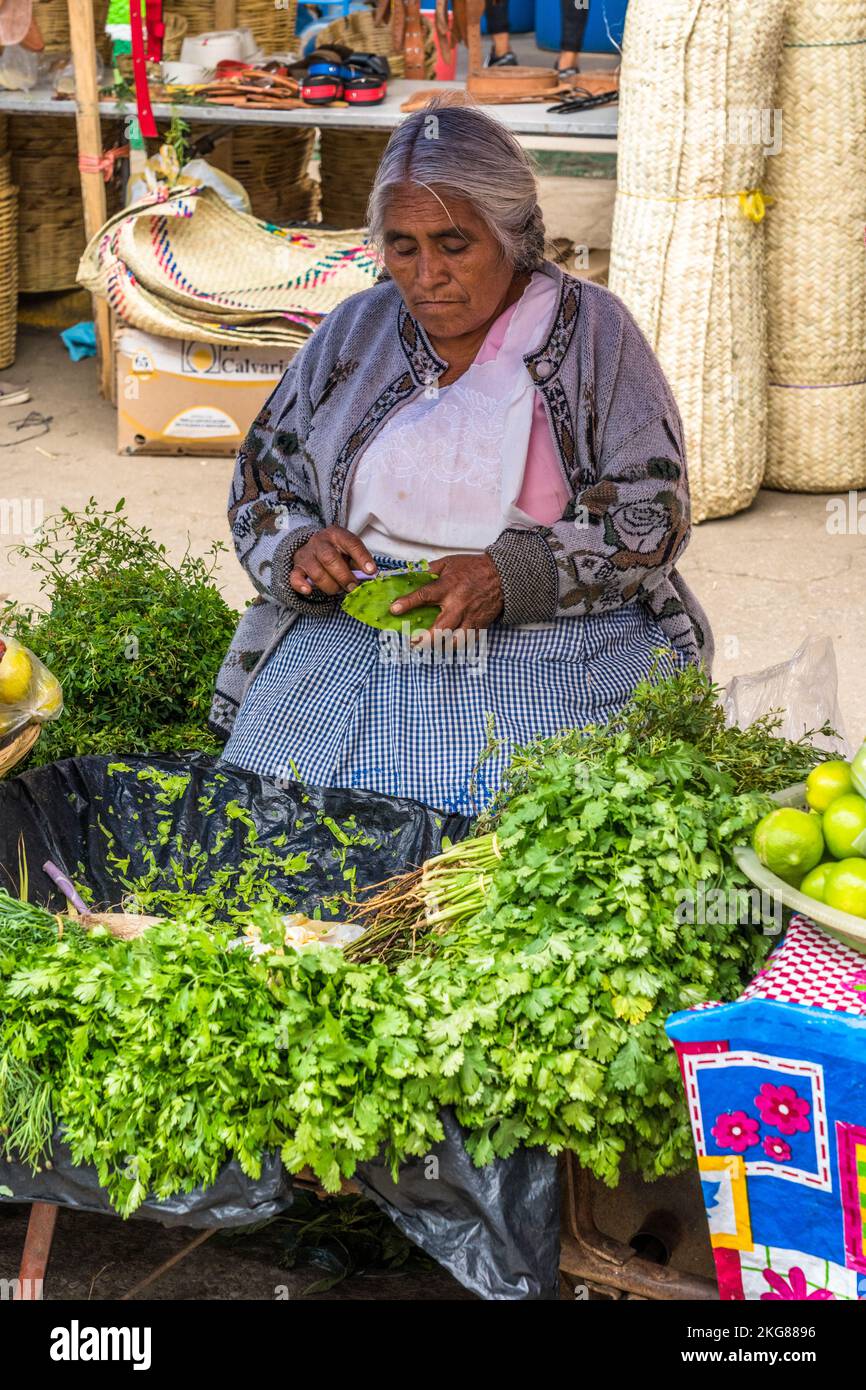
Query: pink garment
point(544, 494)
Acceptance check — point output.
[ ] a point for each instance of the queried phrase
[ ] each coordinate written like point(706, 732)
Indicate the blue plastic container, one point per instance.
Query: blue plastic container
point(548, 25)
point(329, 10)
point(521, 17)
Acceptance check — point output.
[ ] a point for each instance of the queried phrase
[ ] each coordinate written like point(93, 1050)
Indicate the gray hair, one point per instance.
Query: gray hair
point(462, 150)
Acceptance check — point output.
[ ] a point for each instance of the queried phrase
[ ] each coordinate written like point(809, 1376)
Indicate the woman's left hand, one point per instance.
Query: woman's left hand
point(468, 590)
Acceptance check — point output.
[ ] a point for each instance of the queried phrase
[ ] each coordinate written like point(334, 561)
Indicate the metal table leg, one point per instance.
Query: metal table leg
point(591, 1256)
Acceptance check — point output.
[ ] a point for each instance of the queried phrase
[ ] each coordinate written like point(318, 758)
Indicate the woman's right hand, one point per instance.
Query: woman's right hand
point(326, 561)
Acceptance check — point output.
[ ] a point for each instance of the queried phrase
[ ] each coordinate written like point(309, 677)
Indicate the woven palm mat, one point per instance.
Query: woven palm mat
point(190, 259)
point(685, 258)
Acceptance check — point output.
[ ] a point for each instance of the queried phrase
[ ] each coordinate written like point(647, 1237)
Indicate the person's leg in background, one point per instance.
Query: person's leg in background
point(575, 13)
point(496, 14)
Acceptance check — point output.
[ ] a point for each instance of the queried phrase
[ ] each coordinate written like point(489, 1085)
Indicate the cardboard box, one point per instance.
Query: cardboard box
point(180, 397)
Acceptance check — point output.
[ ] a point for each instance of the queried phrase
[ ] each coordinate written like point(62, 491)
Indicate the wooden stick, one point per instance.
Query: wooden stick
point(168, 1264)
point(83, 44)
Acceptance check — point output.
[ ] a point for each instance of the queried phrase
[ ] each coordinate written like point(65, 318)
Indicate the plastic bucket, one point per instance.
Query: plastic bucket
point(446, 69)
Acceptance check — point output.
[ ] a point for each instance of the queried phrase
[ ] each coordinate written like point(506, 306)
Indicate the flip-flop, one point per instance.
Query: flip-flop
point(13, 394)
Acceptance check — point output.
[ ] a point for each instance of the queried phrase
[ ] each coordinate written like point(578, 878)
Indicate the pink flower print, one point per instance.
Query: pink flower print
point(795, 1289)
point(857, 982)
point(781, 1107)
point(736, 1130)
point(774, 1147)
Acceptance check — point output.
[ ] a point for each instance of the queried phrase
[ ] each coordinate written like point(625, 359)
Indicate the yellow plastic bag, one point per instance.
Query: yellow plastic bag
point(28, 690)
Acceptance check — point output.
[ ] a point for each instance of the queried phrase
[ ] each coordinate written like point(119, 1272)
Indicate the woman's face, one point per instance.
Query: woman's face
point(444, 260)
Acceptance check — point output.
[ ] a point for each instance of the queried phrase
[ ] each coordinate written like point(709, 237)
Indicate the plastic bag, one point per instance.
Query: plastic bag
point(28, 690)
point(804, 689)
point(162, 170)
point(62, 76)
point(19, 69)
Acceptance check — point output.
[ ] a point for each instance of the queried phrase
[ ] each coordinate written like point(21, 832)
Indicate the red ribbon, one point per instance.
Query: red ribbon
point(155, 29)
point(102, 163)
point(146, 121)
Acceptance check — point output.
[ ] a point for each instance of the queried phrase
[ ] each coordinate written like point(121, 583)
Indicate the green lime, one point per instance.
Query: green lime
point(789, 843)
point(844, 826)
point(845, 888)
point(826, 782)
point(858, 770)
point(815, 881)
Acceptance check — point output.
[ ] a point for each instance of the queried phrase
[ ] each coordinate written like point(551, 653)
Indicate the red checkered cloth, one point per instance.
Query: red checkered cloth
point(811, 967)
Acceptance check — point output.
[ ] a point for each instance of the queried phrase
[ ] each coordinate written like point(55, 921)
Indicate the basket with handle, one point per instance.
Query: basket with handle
point(15, 749)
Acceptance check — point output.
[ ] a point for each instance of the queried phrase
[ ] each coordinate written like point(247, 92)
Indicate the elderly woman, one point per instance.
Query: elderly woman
point(481, 409)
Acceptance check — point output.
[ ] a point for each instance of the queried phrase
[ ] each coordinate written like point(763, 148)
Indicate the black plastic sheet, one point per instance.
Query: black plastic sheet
point(58, 809)
point(234, 1200)
point(496, 1229)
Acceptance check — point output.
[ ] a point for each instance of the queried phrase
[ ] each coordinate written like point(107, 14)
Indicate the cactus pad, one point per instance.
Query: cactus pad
point(370, 602)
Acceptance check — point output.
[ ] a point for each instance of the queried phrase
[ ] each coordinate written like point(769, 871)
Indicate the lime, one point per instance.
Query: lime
point(789, 843)
point(858, 770)
point(845, 888)
point(815, 881)
point(827, 781)
point(844, 826)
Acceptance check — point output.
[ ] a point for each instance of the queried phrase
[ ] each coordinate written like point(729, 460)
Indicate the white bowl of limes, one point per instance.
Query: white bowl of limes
point(810, 853)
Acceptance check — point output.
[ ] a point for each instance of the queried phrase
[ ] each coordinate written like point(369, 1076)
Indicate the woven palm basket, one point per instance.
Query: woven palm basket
point(816, 263)
point(8, 273)
point(51, 236)
point(273, 27)
point(350, 159)
point(272, 165)
point(14, 750)
point(4, 133)
point(52, 16)
point(685, 258)
point(176, 29)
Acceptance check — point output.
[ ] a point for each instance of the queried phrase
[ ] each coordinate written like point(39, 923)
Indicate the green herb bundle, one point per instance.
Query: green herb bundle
point(135, 641)
point(539, 1016)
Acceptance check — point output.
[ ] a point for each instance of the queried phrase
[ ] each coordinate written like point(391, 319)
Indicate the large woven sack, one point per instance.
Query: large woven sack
point(687, 253)
point(816, 262)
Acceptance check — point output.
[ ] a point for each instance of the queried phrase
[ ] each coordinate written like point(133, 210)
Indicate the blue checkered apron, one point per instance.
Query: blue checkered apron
point(332, 707)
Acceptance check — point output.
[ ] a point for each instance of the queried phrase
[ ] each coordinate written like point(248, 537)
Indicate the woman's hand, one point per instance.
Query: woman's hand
point(468, 590)
point(326, 562)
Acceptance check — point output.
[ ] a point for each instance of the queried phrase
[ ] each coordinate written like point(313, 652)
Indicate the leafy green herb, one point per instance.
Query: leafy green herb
point(135, 640)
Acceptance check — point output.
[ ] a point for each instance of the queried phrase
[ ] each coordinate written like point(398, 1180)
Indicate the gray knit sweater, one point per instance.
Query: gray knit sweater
point(618, 436)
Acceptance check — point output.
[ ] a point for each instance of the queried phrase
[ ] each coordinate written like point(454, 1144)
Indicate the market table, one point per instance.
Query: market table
point(593, 130)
